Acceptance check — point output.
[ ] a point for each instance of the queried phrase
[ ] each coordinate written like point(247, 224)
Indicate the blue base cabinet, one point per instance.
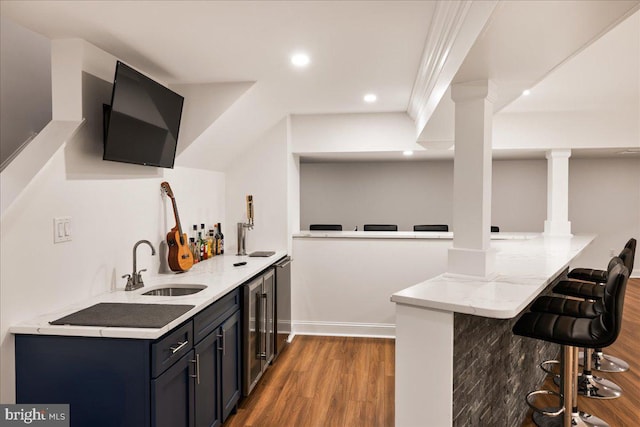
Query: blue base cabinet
point(172, 395)
point(190, 377)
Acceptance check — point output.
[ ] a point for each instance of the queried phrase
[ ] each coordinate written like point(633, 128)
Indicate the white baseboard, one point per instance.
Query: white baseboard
point(635, 273)
point(342, 329)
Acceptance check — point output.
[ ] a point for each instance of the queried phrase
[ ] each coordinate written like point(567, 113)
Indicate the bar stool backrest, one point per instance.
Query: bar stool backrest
point(330, 227)
point(627, 258)
point(613, 302)
point(380, 227)
point(631, 245)
point(431, 227)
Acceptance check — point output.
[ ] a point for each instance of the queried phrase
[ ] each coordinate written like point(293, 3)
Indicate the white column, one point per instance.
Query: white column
point(471, 253)
point(557, 223)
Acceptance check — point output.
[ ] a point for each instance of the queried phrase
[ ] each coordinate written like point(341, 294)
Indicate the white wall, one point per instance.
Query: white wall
point(321, 133)
point(109, 214)
point(262, 171)
point(112, 205)
point(344, 286)
point(25, 78)
point(408, 193)
point(604, 198)
point(582, 129)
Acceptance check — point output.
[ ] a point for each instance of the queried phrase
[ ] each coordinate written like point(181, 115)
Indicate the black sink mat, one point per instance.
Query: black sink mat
point(125, 315)
point(264, 254)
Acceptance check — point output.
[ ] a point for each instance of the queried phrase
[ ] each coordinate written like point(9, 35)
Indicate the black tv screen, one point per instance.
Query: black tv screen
point(141, 124)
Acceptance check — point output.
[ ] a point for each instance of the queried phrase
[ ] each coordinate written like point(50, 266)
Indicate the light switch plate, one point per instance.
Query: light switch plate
point(62, 229)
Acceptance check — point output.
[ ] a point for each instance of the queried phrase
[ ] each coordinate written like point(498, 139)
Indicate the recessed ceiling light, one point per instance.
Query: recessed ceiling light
point(300, 60)
point(407, 153)
point(370, 97)
point(526, 92)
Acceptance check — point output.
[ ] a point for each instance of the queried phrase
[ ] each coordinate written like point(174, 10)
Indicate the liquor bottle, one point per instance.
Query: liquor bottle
point(194, 250)
point(216, 239)
point(210, 244)
point(220, 239)
point(201, 251)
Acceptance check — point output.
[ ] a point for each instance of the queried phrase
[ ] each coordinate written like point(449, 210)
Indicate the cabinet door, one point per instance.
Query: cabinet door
point(253, 336)
point(230, 364)
point(207, 406)
point(172, 395)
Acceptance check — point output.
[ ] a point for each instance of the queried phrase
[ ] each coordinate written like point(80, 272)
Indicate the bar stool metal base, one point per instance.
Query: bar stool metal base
point(577, 419)
point(595, 387)
point(605, 362)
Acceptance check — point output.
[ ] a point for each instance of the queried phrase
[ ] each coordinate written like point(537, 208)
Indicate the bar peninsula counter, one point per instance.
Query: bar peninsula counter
point(457, 362)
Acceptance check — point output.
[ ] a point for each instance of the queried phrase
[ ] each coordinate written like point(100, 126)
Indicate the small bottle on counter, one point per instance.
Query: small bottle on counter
point(201, 247)
point(194, 236)
point(194, 249)
point(220, 240)
point(215, 239)
point(210, 244)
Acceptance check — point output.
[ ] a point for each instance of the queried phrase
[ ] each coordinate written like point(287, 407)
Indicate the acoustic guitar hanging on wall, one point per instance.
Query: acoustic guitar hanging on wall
point(180, 257)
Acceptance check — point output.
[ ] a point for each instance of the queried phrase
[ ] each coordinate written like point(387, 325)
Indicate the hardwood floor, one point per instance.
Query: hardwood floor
point(339, 381)
point(324, 381)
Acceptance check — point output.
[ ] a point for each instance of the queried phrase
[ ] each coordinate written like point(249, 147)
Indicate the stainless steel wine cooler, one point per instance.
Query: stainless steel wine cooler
point(258, 328)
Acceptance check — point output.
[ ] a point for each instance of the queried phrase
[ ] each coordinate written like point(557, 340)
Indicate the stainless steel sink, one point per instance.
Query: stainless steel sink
point(174, 290)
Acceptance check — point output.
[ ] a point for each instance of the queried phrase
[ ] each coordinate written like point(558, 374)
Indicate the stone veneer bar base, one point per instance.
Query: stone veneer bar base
point(494, 369)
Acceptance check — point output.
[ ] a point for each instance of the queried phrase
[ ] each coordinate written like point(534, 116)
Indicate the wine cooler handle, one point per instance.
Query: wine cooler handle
point(265, 319)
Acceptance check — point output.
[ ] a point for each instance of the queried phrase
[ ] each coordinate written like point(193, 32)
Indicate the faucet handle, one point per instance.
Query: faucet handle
point(130, 281)
point(138, 279)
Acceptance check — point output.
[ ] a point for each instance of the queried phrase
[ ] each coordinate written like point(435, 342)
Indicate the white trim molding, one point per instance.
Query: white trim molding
point(347, 329)
point(453, 30)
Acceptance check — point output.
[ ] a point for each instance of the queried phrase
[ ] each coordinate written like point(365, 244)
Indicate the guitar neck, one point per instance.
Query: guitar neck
point(176, 216)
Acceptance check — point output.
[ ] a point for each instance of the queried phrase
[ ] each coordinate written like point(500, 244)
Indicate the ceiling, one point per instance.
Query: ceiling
point(355, 47)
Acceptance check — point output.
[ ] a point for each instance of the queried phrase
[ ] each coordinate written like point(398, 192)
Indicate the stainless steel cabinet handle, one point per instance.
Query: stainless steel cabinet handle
point(285, 263)
point(221, 336)
point(178, 347)
point(197, 363)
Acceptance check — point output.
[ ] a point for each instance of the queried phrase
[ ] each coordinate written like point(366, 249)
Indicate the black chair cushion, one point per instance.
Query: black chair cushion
point(595, 332)
point(627, 255)
point(579, 289)
point(563, 330)
point(588, 274)
point(567, 307)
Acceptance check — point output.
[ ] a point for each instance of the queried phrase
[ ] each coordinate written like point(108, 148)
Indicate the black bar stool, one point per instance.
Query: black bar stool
point(328, 227)
point(589, 385)
point(431, 227)
point(380, 227)
point(571, 333)
point(585, 283)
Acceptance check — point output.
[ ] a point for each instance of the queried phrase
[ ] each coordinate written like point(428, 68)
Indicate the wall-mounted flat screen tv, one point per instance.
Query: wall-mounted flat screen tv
point(141, 124)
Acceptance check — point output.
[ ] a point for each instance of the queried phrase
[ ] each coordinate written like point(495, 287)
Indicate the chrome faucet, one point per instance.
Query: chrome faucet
point(134, 280)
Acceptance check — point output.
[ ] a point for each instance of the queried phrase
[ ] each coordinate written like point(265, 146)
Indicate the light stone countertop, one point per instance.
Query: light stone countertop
point(218, 274)
point(523, 269)
point(403, 235)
